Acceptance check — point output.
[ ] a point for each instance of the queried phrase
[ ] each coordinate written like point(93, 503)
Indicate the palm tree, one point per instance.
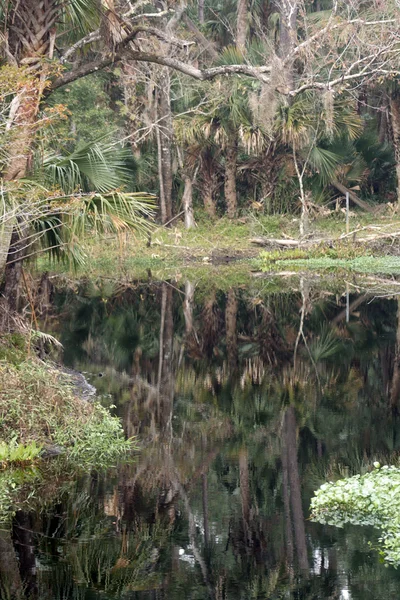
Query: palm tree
point(224, 122)
point(65, 197)
point(31, 29)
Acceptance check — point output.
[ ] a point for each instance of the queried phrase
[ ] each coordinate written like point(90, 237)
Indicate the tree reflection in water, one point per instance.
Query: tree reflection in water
point(244, 402)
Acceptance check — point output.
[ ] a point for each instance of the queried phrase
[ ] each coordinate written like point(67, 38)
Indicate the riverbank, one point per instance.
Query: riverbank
point(42, 413)
point(230, 246)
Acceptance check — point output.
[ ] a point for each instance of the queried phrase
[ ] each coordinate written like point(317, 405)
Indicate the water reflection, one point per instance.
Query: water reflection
point(244, 401)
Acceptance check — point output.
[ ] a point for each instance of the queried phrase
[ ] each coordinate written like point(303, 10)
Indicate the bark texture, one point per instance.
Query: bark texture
point(31, 38)
point(290, 447)
point(231, 329)
point(187, 202)
point(241, 25)
point(230, 177)
point(395, 119)
point(209, 183)
point(164, 114)
point(395, 385)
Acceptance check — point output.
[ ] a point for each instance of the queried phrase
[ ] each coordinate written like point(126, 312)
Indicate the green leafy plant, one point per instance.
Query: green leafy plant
point(372, 499)
point(16, 453)
point(40, 407)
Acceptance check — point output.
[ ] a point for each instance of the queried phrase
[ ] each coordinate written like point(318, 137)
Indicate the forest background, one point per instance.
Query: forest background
point(112, 111)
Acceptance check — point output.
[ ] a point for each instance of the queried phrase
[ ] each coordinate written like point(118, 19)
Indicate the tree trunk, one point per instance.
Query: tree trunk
point(286, 505)
point(395, 386)
point(209, 183)
point(209, 328)
point(165, 144)
point(209, 203)
point(204, 486)
point(187, 202)
point(33, 24)
point(24, 543)
point(344, 190)
point(230, 177)
point(241, 25)
point(231, 329)
point(269, 168)
point(166, 383)
point(200, 8)
point(188, 307)
point(20, 149)
point(206, 44)
point(287, 26)
point(244, 486)
point(290, 442)
point(395, 118)
point(10, 578)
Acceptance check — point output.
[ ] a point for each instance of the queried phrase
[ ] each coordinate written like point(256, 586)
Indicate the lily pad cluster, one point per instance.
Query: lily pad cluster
point(372, 499)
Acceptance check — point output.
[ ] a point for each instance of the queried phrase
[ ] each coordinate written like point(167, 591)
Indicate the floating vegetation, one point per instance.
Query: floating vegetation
point(372, 499)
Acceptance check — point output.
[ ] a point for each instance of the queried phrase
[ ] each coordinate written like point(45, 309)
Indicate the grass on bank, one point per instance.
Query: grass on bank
point(39, 409)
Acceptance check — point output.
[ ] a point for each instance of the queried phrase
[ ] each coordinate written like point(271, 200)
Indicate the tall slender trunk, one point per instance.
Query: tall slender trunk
point(244, 487)
point(395, 121)
point(200, 11)
point(269, 170)
point(290, 442)
point(209, 325)
point(188, 307)
point(231, 328)
point(209, 183)
point(230, 177)
point(241, 25)
point(395, 385)
point(286, 506)
point(166, 378)
point(204, 486)
point(164, 139)
point(187, 202)
point(287, 26)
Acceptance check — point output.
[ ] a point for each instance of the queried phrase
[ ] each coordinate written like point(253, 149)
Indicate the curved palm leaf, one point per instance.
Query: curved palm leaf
point(93, 166)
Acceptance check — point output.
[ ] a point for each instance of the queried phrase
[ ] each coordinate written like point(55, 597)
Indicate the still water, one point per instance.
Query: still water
point(244, 401)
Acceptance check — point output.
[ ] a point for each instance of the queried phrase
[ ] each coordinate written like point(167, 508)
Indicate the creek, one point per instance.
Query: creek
point(244, 401)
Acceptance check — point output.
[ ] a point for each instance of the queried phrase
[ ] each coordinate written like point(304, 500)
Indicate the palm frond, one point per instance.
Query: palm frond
point(325, 162)
point(231, 56)
point(82, 16)
point(93, 166)
point(326, 345)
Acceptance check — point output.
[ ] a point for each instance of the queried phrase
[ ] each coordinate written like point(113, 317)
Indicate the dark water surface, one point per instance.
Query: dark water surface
point(244, 402)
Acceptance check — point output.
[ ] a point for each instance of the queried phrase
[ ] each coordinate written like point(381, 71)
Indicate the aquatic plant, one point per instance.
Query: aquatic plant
point(372, 499)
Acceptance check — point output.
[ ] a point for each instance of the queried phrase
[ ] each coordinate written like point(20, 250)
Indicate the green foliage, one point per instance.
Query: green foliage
point(90, 114)
point(15, 453)
point(12, 481)
point(94, 166)
point(39, 407)
point(370, 499)
point(13, 347)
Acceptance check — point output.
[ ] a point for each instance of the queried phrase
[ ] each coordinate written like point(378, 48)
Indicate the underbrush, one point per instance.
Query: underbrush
point(38, 408)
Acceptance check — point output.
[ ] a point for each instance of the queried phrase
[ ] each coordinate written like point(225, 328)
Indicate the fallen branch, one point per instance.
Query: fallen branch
point(344, 190)
point(274, 242)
